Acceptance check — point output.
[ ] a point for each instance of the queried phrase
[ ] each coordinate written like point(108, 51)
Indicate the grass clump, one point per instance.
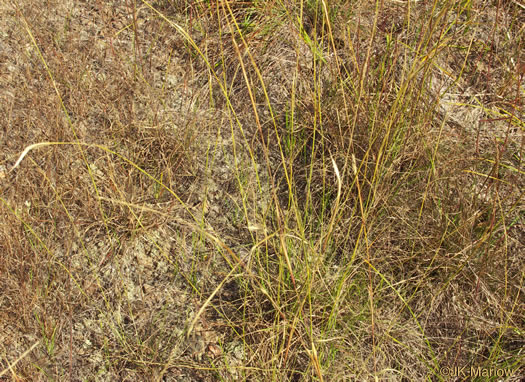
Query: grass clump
point(286, 191)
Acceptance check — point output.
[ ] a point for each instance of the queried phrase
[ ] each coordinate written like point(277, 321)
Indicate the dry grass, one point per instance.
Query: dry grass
point(285, 191)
